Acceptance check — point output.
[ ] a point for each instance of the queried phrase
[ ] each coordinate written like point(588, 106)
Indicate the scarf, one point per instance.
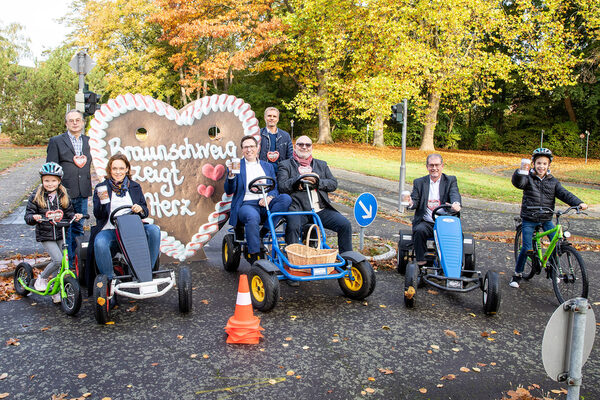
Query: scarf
point(304, 167)
point(120, 189)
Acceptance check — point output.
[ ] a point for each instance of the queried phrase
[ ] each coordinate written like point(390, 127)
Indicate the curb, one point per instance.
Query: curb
point(385, 256)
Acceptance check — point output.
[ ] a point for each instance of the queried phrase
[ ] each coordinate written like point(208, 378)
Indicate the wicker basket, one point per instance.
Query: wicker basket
point(303, 254)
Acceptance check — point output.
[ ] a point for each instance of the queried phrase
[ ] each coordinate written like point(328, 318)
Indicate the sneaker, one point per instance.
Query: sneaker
point(40, 284)
point(56, 298)
point(514, 282)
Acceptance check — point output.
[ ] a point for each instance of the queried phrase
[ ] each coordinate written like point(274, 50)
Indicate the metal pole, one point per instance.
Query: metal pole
point(587, 141)
point(403, 159)
point(367, 141)
point(542, 139)
point(361, 237)
point(292, 124)
point(81, 68)
point(579, 308)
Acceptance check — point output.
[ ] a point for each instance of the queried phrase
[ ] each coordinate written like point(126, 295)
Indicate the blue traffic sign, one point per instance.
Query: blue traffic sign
point(365, 209)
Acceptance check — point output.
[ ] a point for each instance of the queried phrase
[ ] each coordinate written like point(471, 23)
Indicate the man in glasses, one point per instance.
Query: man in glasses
point(302, 163)
point(429, 192)
point(248, 208)
point(72, 151)
point(275, 143)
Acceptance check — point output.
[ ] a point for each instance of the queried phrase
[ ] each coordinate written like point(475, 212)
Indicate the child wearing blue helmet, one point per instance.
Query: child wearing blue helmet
point(50, 200)
point(540, 189)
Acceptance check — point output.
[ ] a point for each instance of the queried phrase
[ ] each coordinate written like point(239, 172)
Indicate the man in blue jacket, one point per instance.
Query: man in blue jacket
point(275, 143)
point(248, 208)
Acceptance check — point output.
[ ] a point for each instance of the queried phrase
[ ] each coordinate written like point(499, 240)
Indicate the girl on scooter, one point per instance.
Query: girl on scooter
point(51, 201)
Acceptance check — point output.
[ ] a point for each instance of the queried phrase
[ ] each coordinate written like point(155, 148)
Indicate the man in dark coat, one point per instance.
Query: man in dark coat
point(72, 151)
point(275, 143)
point(287, 174)
point(429, 192)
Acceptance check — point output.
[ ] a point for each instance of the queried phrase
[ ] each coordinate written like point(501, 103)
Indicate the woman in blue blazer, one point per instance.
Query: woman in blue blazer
point(248, 208)
point(120, 191)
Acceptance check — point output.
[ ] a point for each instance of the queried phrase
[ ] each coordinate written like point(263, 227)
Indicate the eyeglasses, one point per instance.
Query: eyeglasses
point(248, 147)
point(304, 144)
point(434, 165)
point(72, 121)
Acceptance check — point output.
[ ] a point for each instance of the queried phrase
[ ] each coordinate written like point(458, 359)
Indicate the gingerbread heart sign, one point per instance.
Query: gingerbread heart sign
point(178, 157)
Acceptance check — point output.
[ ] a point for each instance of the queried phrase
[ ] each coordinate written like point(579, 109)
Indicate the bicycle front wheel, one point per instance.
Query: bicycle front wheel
point(569, 278)
point(530, 266)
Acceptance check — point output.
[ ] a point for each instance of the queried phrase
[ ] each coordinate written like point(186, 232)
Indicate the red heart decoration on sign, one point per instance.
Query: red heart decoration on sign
point(80, 161)
point(214, 173)
point(54, 215)
point(206, 191)
point(273, 156)
point(179, 165)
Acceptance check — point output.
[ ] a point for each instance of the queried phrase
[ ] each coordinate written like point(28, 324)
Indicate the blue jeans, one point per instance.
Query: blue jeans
point(80, 204)
point(105, 244)
point(251, 215)
point(527, 234)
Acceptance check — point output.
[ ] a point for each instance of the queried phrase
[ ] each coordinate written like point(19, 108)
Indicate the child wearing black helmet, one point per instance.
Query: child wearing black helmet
point(49, 200)
point(540, 188)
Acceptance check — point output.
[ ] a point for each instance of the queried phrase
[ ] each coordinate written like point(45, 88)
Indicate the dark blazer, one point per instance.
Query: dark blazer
point(283, 144)
point(420, 194)
point(237, 187)
point(287, 174)
point(541, 193)
point(45, 231)
point(78, 181)
point(102, 212)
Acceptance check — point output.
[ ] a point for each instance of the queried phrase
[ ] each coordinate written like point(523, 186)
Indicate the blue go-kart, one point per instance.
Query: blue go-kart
point(450, 262)
point(353, 272)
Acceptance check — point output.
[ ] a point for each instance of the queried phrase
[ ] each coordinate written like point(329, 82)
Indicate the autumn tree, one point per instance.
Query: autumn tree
point(213, 40)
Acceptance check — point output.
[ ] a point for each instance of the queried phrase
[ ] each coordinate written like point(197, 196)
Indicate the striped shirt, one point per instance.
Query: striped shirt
point(77, 143)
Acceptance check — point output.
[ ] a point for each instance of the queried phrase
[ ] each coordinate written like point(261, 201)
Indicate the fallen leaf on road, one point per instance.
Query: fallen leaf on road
point(535, 385)
point(3, 376)
point(385, 327)
point(382, 306)
point(110, 323)
point(448, 377)
point(493, 332)
point(179, 337)
point(154, 364)
point(476, 369)
point(484, 334)
point(481, 364)
point(298, 376)
point(285, 344)
point(435, 347)
point(423, 390)
point(429, 352)
point(193, 355)
point(290, 373)
point(431, 291)
point(464, 369)
point(45, 328)
point(559, 391)
point(61, 396)
point(288, 338)
point(371, 379)
point(13, 342)
point(451, 333)
point(4, 395)
point(386, 371)
point(86, 395)
point(455, 349)
point(204, 301)
point(81, 376)
point(369, 390)
point(365, 303)
point(133, 308)
point(334, 340)
point(516, 332)
point(205, 356)
point(409, 293)
point(440, 385)
point(305, 347)
point(491, 339)
point(293, 317)
point(106, 398)
point(472, 315)
point(492, 363)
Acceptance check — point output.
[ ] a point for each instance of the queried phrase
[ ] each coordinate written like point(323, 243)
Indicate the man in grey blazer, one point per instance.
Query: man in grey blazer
point(287, 174)
point(429, 192)
point(72, 151)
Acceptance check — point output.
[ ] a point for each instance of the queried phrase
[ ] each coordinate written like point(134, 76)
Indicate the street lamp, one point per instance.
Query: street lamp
point(587, 141)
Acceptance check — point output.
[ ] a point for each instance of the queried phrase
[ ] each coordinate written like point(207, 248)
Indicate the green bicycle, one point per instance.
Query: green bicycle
point(563, 264)
point(65, 282)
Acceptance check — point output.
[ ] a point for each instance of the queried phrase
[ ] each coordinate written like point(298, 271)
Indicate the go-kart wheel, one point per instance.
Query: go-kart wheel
point(264, 289)
point(411, 282)
point(101, 301)
point(184, 287)
point(80, 263)
point(402, 260)
point(72, 302)
point(230, 253)
point(469, 265)
point(25, 273)
point(361, 283)
point(491, 293)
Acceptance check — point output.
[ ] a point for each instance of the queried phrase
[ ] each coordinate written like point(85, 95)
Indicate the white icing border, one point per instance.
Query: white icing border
point(191, 112)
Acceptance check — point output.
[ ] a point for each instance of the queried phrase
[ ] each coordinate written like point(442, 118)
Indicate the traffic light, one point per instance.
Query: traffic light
point(398, 113)
point(91, 101)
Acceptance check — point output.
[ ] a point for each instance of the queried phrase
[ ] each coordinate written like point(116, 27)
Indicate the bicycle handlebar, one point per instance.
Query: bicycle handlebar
point(548, 210)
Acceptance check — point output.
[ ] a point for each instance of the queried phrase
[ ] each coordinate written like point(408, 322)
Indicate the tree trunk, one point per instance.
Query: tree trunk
point(430, 122)
point(183, 95)
point(323, 110)
point(570, 111)
point(378, 131)
point(205, 88)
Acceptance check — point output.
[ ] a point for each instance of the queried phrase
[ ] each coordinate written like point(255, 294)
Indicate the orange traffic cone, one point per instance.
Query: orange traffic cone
point(243, 326)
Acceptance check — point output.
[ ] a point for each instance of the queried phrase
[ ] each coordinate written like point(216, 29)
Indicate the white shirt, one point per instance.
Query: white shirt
point(253, 170)
point(433, 200)
point(116, 202)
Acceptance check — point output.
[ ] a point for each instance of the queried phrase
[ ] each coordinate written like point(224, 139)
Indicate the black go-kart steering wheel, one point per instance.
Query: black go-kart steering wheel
point(113, 214)
point(302, 180)
point(447, 208)
point(262, 182)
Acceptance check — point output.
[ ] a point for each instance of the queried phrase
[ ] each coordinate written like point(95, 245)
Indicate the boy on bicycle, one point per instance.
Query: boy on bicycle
point(540, 188)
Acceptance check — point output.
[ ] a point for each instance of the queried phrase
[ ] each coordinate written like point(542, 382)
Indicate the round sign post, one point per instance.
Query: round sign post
point(365, 210)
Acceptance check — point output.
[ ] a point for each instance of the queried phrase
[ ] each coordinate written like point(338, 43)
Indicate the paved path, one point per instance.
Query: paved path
point(17, 182)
